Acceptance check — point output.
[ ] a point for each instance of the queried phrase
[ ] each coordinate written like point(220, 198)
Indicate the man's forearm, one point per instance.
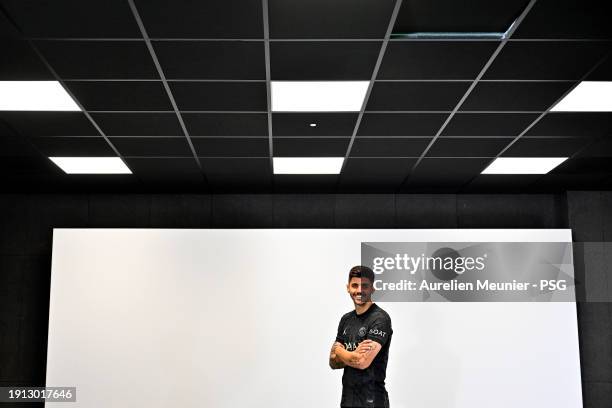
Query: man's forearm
point(334, 361)
point(349, 358)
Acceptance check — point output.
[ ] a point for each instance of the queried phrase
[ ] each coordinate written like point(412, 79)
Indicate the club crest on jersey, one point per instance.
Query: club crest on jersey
point(362, 331)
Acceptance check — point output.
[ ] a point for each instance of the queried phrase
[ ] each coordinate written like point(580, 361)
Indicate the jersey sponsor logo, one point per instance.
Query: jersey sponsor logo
point(377, 332)
point(350, 346)
point(362, 331)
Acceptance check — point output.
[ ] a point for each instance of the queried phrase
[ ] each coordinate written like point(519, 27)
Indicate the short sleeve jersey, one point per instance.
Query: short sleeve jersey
point(365, 388)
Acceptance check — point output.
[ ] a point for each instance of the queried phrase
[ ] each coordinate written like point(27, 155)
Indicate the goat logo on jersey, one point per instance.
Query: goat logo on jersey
point(378, 332)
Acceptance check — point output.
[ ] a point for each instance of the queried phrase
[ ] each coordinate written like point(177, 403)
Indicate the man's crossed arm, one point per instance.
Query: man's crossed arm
point(360, 358)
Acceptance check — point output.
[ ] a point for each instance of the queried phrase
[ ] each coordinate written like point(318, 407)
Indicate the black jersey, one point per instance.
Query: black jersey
point(365, 388)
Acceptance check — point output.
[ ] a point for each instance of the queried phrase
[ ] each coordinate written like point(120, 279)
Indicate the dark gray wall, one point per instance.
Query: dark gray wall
point(590, 217)
point(26, 223)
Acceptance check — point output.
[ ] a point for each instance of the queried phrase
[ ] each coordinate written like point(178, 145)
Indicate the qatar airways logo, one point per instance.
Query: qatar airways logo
point(411, 264)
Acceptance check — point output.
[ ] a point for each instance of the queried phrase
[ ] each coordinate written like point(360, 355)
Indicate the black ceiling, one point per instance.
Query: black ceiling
point(180, 90)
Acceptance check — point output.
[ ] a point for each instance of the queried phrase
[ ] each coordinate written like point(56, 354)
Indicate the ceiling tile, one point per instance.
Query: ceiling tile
point(453, 16)
point(375, 174)
point(488, 124)
point(429, 96)
point(113, 96)
point(177, 171)
point(598, 148)
point(603, 72)
point(21, 63)
point(226, 124)
point(396, 147)
point(32, 124)
point(401, 124)
point(242, 167)
point(327, 124)
point(73, 146)
point(585, 165)
point(228, 147)
point(156, 147)
point(211, 59)
point(546, 60)
point(14, 145)
point(310, 147)
point(138, 124)
point(515, 96)
point(219, 96)
point(99, 59)
point(20, 165)
point(575, 124)
point(473, 147)
point(8, 30)
point(73, 18)
point(202, 19)
point(325, 60)
point(545, 147)
point(238, 174)
point(329, 19)
point(435, 59)
point(450, 172)
point(566, 19)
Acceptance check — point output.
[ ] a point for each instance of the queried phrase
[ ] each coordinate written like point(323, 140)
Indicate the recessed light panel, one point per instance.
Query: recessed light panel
point(588, 96)
point(307, 165)
point(523, 165)
point(318, 96)
point(450, 35)
point(35, 96)
point(456, 35)
point(91, 165)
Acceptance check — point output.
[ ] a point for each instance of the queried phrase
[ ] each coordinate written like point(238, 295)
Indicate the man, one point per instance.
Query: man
point(362, 345)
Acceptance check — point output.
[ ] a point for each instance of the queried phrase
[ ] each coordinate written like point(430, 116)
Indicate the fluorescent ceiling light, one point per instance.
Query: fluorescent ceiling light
point(588, 96)
point(450, 35)
point(523, 165)
point(35, 96)
point(318, 96)
point(307, 165)
point(91, 165)
point(456, 34)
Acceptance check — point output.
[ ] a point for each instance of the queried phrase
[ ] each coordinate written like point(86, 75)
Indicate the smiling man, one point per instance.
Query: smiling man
point(362, 345)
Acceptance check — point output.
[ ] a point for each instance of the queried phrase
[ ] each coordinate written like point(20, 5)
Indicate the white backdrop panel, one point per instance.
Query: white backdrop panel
point(226, 318)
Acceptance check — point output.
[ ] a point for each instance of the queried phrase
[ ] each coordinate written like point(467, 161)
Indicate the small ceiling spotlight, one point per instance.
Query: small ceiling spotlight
point(313, 125)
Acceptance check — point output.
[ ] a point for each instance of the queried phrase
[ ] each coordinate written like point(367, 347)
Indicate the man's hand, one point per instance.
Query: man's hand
point(361, 357)
point(365, 347)
point(336, 345)
point(334, 361)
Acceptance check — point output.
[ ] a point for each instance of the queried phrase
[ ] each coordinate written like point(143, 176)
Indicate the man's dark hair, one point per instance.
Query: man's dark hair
point(361, 272)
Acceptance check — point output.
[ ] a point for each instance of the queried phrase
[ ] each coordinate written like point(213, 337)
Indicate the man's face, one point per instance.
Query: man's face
point(360, 290)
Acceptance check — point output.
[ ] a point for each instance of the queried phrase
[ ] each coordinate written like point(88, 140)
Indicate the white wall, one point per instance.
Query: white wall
point(227, 318)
